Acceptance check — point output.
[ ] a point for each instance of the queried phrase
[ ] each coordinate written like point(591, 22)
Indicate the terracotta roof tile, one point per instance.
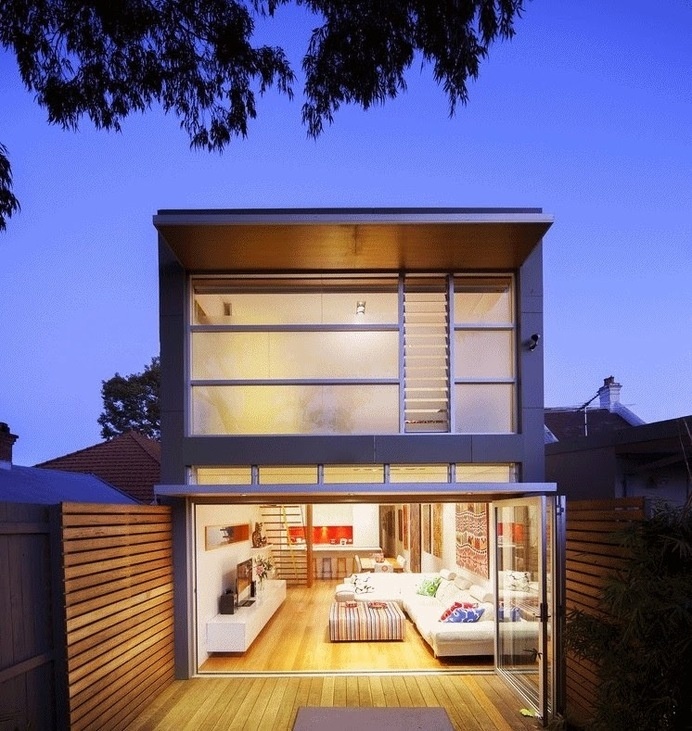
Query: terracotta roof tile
point(131, 462)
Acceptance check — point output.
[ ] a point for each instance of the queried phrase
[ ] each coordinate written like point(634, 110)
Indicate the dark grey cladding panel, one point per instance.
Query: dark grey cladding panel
point(279, 450)
point(347, 449)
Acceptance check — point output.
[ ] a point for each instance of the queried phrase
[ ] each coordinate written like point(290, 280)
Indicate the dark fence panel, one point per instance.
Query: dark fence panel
point(27, 658)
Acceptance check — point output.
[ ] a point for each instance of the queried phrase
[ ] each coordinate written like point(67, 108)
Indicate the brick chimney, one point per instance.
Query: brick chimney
point(609, 393)
point(6, 442)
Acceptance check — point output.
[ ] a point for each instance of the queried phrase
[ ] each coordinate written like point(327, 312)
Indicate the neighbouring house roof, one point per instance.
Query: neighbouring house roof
point(131, 462)
point(48, 487)
point(571, 422)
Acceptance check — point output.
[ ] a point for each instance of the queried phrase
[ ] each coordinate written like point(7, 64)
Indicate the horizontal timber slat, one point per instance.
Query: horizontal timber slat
point(140, 690)
point(111, 636)
point(78, 536)
point(129, 603)
point(118, 603)
point(95, 557)
point(160, 603)
point(82, 688)
point(133, 559)
point(96, 579)
point(108, 587)
point(592, 553)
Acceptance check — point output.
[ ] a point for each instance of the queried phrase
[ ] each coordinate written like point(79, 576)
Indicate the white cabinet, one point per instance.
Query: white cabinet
point(236, 632)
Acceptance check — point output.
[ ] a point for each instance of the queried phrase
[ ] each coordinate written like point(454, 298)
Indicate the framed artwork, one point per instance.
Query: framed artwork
point(471, 521)
point(437, 529)
point(425, 527)
point(217, 536)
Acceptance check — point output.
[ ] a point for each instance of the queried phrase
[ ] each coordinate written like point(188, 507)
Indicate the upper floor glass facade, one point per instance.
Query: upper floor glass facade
point(341, 355)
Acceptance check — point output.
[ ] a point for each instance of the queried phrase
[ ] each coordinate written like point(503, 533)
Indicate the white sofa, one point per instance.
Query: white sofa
point(445, 638)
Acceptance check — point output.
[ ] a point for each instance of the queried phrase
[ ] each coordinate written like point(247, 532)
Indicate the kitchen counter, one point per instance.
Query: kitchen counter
point(334, 561)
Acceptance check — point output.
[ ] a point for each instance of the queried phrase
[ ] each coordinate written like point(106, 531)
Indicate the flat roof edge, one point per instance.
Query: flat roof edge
point(353, 490)
point(285, 216)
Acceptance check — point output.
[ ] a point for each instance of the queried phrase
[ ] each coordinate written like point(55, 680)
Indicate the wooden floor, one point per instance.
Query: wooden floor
point(297, 640)
point(293, 664)
point(474, 702)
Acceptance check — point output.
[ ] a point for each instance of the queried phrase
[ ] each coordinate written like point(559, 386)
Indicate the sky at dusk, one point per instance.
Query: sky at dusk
point(586, 113)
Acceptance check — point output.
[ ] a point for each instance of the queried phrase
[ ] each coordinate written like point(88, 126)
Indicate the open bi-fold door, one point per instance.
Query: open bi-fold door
point(526, 586)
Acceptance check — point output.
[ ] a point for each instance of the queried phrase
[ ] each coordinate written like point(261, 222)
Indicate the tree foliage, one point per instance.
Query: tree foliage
point(642, 644)
point(195, 58)
point(132, 403)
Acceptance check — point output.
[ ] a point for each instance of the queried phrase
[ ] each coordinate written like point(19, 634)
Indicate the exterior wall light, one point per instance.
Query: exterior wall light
point(360, 307)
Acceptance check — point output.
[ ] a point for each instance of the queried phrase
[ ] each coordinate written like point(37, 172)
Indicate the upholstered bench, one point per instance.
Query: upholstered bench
point(366, 621)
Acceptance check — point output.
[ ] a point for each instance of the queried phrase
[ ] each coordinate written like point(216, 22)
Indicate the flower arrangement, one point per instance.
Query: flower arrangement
point(263, 567)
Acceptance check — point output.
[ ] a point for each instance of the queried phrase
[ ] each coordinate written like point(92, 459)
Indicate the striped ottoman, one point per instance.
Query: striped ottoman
point(366, 621)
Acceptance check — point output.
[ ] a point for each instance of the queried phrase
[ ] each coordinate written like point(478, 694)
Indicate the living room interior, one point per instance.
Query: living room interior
point(429, 539)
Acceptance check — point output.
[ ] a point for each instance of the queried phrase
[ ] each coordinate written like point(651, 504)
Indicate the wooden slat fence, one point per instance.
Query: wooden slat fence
point(591, 553)
point(27, 658)
point(118, 579)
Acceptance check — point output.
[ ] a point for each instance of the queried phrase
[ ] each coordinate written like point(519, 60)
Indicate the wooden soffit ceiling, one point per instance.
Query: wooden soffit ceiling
point(352, 239)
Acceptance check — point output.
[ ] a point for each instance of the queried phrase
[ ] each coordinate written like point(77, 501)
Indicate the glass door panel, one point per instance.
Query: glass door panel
point(524, 568)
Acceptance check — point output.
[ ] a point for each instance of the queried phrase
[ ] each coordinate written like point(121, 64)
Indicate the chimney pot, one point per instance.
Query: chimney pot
point(6, 441)
point(609, 393)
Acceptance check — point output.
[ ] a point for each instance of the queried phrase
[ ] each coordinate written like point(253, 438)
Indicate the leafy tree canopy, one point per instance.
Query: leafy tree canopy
point(132, 402)
point(195, 58)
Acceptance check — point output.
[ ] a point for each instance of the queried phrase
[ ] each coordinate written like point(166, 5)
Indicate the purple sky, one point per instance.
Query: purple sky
point(587, 113)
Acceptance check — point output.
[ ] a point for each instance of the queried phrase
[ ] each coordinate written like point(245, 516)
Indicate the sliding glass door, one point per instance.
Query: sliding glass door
point(525, 579)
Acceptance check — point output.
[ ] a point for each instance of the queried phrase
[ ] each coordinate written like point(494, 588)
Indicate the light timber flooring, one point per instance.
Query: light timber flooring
point(292, 664)
point(296, 639)
point(478, 702)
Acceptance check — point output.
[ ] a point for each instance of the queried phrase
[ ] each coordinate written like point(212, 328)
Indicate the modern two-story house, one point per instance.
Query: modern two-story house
point(367, 380)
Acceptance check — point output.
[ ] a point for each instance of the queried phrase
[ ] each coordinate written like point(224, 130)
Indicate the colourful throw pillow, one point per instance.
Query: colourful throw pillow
point(457, 605)
point(518, 581)
point(428, 587)
point(465, 615)
point(512, 614)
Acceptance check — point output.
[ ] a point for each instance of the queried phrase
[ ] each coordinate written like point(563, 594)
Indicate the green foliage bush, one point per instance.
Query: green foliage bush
point(642, 644)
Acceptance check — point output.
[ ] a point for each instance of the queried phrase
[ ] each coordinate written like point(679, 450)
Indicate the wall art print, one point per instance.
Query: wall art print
point(472, 538)
point(437, 530)
point(406, 517)
point(425, 527)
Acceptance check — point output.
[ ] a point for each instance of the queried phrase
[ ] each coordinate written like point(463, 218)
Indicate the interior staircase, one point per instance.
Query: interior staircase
point(290, 561)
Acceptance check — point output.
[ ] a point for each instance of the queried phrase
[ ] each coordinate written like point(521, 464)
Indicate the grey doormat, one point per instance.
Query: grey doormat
point(382, 719)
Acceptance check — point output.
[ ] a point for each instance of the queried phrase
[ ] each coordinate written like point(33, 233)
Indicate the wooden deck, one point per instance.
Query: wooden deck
point(292, 664)
point(474, 702)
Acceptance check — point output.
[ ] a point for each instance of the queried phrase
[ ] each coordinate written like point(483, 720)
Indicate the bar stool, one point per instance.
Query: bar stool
point(341, 569)
point(326, 568)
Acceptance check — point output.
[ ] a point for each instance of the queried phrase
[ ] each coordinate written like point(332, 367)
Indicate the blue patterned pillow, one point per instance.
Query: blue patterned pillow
point(459, 614)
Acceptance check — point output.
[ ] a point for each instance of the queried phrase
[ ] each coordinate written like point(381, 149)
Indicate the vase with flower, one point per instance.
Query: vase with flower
point(263, 568)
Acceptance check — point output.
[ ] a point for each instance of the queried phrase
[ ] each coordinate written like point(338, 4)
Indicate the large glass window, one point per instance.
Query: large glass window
point(339, 355)
point(484, 355)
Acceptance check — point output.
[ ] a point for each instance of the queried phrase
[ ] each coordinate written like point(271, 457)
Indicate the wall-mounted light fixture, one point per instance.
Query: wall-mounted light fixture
point(360, 307)
point(533, 341)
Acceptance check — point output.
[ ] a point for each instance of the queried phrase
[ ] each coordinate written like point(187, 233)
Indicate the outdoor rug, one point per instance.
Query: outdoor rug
point(382, 719)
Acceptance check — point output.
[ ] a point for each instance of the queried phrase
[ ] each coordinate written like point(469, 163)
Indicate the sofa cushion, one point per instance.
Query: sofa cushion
point(463, 615)
point(481, 593)
point(428, 587)
point(447, 592)
point(457, 605)
point(515, 580)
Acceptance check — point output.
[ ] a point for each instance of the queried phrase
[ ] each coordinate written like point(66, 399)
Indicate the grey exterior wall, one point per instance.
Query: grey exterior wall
point(179, 451)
